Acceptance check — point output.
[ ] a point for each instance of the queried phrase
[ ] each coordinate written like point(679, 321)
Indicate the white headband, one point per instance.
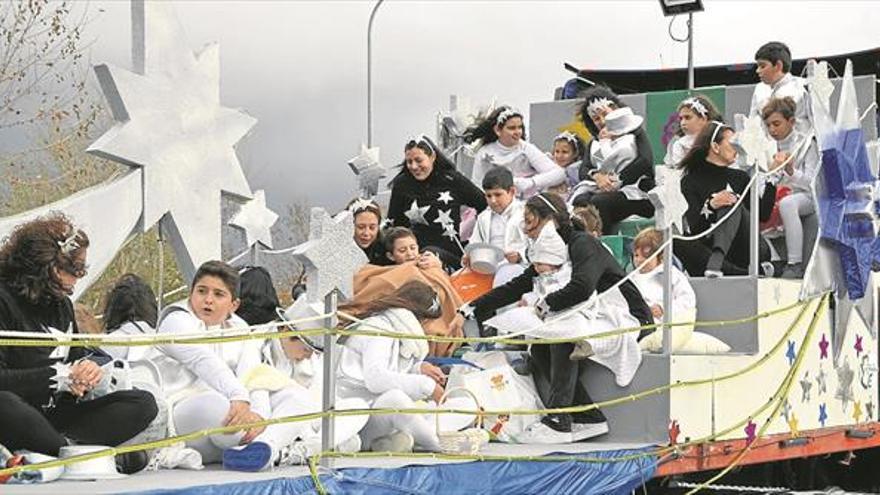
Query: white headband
point(595, 105)
point(547, 201)
point(567, 136)
point(69, 244)
point(361, 204)
point(697, 106)
point(421, 138)
point(506, 115)
point(718, 127)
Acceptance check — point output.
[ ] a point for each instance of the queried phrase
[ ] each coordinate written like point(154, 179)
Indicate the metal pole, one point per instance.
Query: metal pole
point(161, 289)
point(329, 390)
point(370, 74)
point(691, 84)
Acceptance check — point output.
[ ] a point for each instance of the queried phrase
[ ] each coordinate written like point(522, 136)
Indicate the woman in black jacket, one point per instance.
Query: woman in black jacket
point(613, 205)
point(712, 188)
point(43, 390)
point(593, 270)
point(427, 196)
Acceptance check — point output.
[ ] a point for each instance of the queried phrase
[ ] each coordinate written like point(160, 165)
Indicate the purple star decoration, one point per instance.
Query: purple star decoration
point(858, 347)
point(823, 414)
point(790, 353)
point(845, 208)
point(750, 431)
point(823, 348)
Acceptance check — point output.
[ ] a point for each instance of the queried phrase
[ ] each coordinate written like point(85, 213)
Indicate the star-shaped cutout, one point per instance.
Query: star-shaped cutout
point(777, 293)
point(758, 148)
point(845, 377)
point(869, 410)
point(858, 346)
point(368, 170)
point(806, 386)
point(821, 381)
point(750, 429)
point(674, 432)
point(786, 408)
point(444, 217)
point(823, 347)
point(790, 353)
point(823, 414)
point(793, 426)
point(445, 197)
point(416, 213)
point(256, 220)
point(170, 123)
point(61, 352)
point(857, 411)
point(449, 231)
point(820, 85)
point(330, 256)
point(706, 211)
point(669, 203)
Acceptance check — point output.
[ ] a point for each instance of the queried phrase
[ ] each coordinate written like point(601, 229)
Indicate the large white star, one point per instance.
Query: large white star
point(752, 139)
point(368, 170)
point(444, 217)
point(819, 83)
point(668, 201)
point(416, 213)
point(169, 121)
point(256, 220)
point(330, 256)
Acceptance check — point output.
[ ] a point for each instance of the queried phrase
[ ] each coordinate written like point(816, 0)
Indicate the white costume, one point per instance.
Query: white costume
point(684, 300)
point(788, 85)
point(800, 202)
point(503, 231)
point(533, 171)
point(385, 372)
point(678, 148)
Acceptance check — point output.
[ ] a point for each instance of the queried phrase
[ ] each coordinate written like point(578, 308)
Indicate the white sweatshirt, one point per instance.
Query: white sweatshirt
point(533, 171)
point(684, 300)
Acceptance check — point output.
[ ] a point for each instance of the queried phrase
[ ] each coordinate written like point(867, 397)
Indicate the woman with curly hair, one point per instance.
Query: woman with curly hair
point(45, 400)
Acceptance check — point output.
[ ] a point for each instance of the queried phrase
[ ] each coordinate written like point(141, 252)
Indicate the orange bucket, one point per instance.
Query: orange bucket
point(470, 284)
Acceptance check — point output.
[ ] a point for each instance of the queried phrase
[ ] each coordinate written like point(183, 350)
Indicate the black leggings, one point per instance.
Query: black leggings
point(731, 237)
point(557, 379)
point(108, 420)
point(614, 207)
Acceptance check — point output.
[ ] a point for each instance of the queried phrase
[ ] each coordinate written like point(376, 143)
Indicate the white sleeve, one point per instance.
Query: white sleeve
point(378, 378)
point(200, 359)
point(251, 357)
point(481, 166)
point(477, 235)
point(548, 173)
point(684, 300)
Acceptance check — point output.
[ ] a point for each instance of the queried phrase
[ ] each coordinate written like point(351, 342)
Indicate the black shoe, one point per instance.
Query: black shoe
point(131, 462)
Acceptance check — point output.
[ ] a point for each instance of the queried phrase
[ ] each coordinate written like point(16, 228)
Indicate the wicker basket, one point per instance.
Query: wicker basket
point(468, 441)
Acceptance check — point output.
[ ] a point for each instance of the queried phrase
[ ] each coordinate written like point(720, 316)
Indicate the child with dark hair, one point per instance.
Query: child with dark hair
point(503, 143)
point(131, 309)
point(694, 114)
point(498, 225)
point(799, 153)
point(558, 239)
point(258, 297)
point(427, 196)
point(619, 191)
point(773, 61)
point(568, 150)
point(392, 373)
point(367, 218)
point(44, 403)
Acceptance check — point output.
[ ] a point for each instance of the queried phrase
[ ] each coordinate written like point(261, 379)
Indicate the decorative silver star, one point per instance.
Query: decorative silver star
point(668, 201)
point(368, 170)
point(62, 351)
point(449, 231)
point(706, 211)
point(869, 408)
point(445, 197)
point(256, 220)
point(170, 123)
point(416, 213)
point(806, 386)
point(821, 386)
point(444, 217)
point(845, 376)
point(757, 147)
point(786, 408)
point(330, 256)
point(360, 204)
point(819, 83)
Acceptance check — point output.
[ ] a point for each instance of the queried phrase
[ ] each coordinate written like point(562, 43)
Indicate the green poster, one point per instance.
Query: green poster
point(661, 119)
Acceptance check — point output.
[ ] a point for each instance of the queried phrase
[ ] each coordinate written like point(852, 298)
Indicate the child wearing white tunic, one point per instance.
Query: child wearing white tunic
point(391, 373)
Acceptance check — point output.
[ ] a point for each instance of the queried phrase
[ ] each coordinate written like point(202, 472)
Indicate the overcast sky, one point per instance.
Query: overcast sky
point(299, 67)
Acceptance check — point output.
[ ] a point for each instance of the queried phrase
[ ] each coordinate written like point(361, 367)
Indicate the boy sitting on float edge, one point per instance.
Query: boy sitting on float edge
point(774, 66)
point(498, 225)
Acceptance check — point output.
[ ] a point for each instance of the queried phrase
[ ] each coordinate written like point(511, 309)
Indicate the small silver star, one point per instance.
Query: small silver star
point(786, 408)
point(61, 352)
point(256, 220)
point(445, 197)
point(845, 376)
point(869, 407)
point(706, 212)
point(368, 170)
point(416, 213)
point(444, 217)
point(821, 386)
point(449, 231)
point(806, 385)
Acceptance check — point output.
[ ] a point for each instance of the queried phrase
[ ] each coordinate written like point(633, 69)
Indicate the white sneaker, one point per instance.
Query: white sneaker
point(350, 445)
point(541, 433)
point(298, 453)
point(398, 441)
point(583, 431)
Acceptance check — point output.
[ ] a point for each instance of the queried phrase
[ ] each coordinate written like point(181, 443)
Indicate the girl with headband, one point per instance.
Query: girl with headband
point(567, 153)
point(694, 113)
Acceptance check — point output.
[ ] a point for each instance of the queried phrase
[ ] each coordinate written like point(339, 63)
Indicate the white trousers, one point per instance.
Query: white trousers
point(791, 209)
point(417, 425)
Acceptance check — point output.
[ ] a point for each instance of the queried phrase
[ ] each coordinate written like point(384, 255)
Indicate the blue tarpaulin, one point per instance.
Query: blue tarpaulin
point(472, 478)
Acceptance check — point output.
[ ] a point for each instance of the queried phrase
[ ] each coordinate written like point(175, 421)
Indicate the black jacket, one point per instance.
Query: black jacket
point(405, 189)
point(26, 371)
point(706, 179)
point(593, 269)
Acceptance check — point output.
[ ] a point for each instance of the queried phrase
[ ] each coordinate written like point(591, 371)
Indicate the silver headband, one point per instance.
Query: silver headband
point(435, 304)
point(361, 204)
point(595, 105)
point(548, 203)
point(69, 244)
point(567, 136)
point(506, 115)
point(697, 106)
point(423, 139)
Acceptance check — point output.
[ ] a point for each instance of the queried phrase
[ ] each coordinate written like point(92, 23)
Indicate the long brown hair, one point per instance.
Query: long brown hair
point(31, 252)
point(416, 296)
